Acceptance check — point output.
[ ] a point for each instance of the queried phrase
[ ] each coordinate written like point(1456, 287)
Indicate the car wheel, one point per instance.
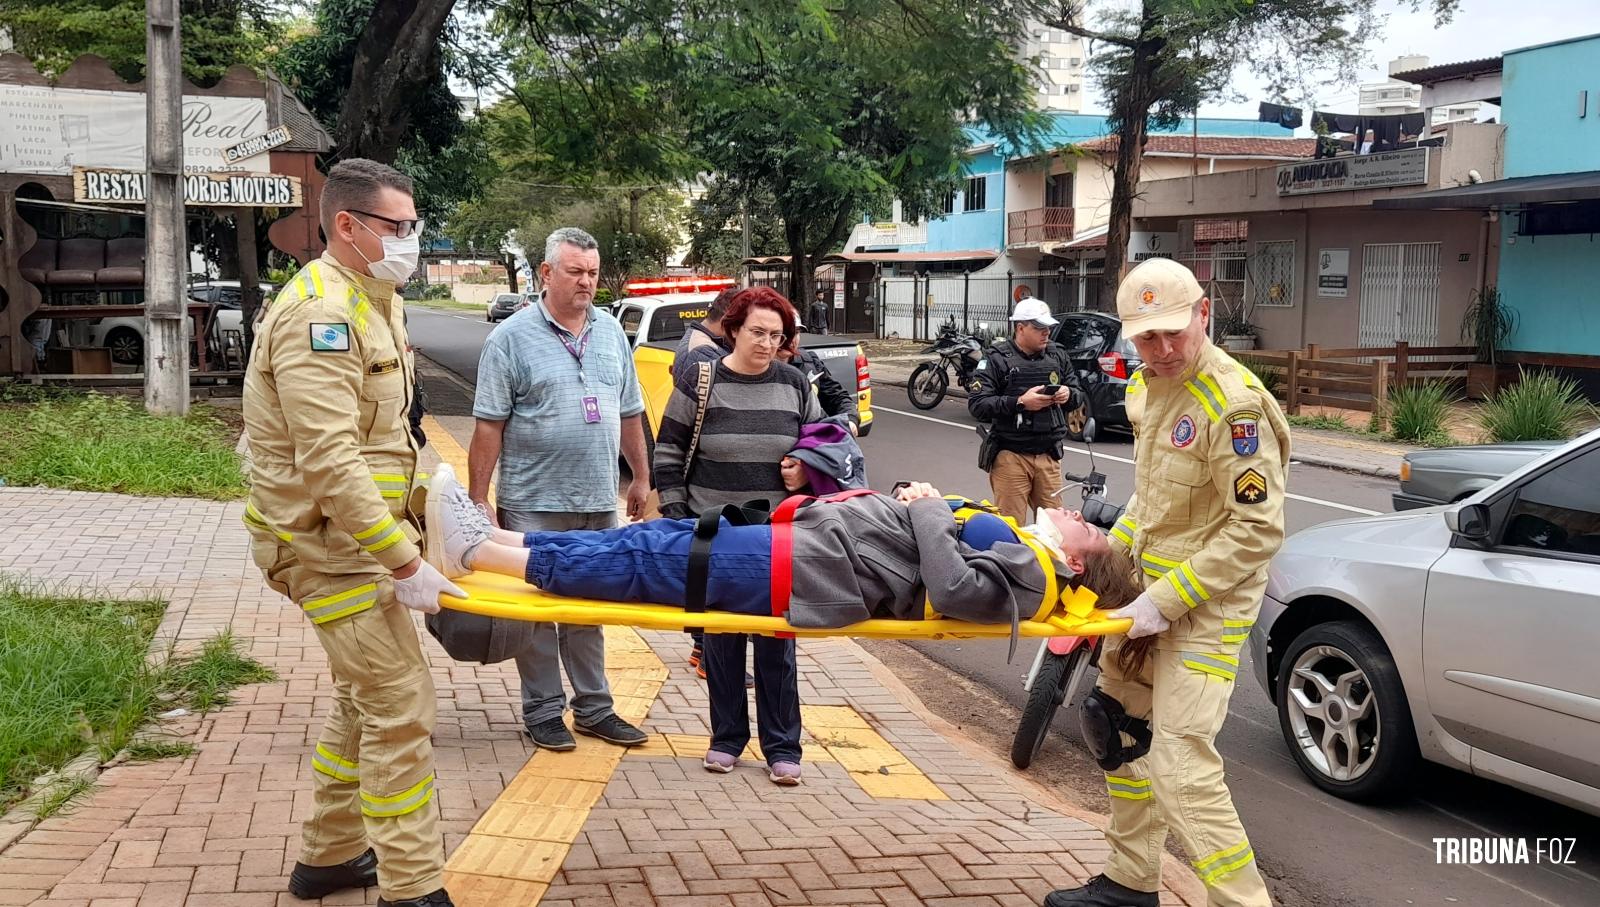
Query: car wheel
point(1078, 418)
point(126, 346)
point(1344, 713)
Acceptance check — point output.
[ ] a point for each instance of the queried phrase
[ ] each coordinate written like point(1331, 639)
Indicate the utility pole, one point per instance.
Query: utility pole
point(166, 362)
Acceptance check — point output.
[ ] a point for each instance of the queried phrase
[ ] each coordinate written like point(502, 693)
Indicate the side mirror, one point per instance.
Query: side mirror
point(1470, 521)
point(1089, 428)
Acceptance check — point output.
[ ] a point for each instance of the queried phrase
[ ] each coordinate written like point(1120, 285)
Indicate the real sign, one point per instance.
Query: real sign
point(1333, 273)
point(1143, 245)
point(1359, 171)
point(206, 190)
point(266, 141)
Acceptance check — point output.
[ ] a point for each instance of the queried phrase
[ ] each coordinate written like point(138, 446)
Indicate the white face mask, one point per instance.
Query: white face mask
point(400, 256)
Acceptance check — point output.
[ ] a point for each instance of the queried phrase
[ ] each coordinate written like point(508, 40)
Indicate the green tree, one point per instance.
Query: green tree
point(216, 33)
point(716, 229)
point(636, 237)
point(1159, 59)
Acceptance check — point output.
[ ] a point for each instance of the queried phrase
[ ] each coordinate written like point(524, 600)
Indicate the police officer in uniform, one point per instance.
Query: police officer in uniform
point(1211, 450)
point(1017, 391)
point(333, 471)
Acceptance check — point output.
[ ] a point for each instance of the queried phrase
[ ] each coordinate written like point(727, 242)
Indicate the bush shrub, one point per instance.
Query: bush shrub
point(1419, 412)
point(1270, 379)
point(1540, 407)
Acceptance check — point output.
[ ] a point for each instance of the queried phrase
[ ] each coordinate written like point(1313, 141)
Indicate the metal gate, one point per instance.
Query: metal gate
point(1400, 294)
point(1272, 274)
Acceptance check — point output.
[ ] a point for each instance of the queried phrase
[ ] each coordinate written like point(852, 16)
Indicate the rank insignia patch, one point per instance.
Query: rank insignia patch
point(1250, 487)
point(1183, 432)
point(1245, 440)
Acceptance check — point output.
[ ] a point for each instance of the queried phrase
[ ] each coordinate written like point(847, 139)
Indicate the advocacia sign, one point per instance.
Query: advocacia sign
point(206, 190)
point(1357, 171)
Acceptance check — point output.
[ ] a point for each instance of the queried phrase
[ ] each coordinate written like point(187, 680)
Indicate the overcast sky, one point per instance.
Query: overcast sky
point(1481, 28)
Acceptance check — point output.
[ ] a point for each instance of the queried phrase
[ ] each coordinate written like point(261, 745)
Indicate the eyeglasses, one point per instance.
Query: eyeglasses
point(756, 335)
point(402, 228)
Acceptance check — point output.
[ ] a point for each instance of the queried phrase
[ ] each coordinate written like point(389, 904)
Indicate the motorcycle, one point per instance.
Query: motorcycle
point(958, 352)
point(1062, 662)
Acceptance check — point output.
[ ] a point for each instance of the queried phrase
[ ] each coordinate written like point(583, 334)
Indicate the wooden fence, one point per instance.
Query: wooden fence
point(1358, 378)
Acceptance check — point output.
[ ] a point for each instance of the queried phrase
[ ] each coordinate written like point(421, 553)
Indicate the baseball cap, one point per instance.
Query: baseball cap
point(1157, 295)
point(1034, 310)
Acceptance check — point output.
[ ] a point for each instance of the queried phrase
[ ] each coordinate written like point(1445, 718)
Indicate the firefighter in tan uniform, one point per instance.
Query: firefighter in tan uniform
point(334, 467)
point(1211, 452)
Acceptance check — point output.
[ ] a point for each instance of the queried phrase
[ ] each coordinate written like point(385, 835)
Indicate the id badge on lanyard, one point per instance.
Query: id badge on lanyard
point(591, 402)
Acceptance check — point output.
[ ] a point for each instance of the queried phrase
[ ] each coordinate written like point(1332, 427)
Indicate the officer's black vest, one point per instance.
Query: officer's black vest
point(1030, 432)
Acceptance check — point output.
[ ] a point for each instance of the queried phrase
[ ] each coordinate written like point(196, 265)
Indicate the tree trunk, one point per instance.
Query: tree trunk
point(799, 265)
point(511, 270)
point(396, 55)
point(634, 195)
point(1133, 111)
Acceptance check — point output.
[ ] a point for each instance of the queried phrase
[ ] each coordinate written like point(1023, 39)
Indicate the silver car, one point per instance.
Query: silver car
point(1429, 478)
point(1465, 635)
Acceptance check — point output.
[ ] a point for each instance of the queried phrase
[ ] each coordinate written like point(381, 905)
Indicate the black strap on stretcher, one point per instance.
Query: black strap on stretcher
point(755, 513)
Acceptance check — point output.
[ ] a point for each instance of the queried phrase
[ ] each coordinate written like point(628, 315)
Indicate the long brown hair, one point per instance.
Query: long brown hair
point(1111, 579)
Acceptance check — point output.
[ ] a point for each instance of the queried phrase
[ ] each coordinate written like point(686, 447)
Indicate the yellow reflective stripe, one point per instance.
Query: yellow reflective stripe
point(303, 285)
point(342, 604)
point(315, 272)
point(1224, 666)
point(1250, 379)
point(1212, 403)
point(398, 805)
point(1188, 585)
point(1240, 630)
point(1175, 579)
point(333, 765)
point(358, 308)
point(253, 518)
point(391, 538)
point(1118, 533)
point(1214, 867)
point(391, 486)
point(1156, 566)
point(1128, 788)
point(386, 523)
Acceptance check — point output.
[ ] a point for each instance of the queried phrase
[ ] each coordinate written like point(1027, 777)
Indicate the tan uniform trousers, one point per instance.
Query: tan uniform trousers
point(373, 764)
point(1179, 783)
point(1022, 482)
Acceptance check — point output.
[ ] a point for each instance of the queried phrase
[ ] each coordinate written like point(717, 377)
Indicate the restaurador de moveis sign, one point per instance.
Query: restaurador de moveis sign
point(1359, 171)
point(210, 190)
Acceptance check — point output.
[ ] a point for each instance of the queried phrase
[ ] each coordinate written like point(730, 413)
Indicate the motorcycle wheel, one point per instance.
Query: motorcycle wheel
point(927, 385)
point(1049, 691)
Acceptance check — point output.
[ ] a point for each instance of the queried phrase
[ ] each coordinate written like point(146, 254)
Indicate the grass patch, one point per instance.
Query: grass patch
point(95, 442)
point(148, 750)
point(58, 795)
point(1539, 407)
point(1335, 422)
point(1419, 413)
point(75, 674)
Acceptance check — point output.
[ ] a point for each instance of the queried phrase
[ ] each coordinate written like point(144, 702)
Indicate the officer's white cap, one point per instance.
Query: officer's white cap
point(1034, 310)
point(1157, 295)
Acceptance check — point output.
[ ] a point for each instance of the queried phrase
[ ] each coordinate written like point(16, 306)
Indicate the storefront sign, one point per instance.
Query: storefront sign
point(260, 144)
point(1142, 245)
point(53, 130)
point(1333, 273)
point(1357, 171)
point(838, 286)
point(206, 190)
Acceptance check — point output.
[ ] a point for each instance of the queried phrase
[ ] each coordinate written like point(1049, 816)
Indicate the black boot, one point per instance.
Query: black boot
point(312, 882)
point(1100, 892)
point(440, 898)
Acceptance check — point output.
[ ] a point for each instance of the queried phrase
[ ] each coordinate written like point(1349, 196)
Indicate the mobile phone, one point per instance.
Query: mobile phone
point(1050, 390)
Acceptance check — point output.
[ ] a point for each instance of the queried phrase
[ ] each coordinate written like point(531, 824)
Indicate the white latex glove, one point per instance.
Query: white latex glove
point(421, 590)
point(1147, 618)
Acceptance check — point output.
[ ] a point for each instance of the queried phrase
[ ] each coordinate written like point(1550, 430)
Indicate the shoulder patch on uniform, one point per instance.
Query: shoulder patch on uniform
point(1245, 428)
point(1250, 487)
point(1183, 432)
point(330, 337)
point(983, 364)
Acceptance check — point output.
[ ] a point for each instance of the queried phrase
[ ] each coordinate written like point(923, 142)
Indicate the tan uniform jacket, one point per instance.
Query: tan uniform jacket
point(1211, 454)
point(325, 402)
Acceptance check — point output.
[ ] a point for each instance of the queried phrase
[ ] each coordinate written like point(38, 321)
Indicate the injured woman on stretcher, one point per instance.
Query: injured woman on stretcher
point(826, 564)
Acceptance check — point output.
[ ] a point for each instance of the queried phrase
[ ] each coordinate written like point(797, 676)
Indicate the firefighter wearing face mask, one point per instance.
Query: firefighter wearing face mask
point(1211, 451)
point(330, 515)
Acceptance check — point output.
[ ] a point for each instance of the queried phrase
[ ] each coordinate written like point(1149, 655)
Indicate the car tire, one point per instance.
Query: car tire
point(1078, 418)
point(126, 346)
point(1346, 662)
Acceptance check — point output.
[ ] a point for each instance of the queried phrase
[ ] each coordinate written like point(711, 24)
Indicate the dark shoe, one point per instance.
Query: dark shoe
point(612, 729)
point(552, 735)
point(440, 898)
point(1100, 891)
point(311, 882)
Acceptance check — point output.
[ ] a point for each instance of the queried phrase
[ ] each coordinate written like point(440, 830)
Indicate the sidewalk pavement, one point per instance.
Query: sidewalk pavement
point(892, 361)
point(897, 806)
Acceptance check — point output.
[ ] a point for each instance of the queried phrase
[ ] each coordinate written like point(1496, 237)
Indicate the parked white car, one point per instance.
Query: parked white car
point(125, 336)
point(1464, 634)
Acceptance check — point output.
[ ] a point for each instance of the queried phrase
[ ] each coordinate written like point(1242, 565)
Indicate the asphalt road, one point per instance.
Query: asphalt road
point(1316, 850)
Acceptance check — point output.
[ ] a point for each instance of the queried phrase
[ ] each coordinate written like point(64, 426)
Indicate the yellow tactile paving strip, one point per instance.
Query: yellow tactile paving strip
point(873, 762)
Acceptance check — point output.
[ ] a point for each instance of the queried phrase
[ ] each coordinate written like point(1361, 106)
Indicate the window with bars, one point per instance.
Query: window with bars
point(1272, 274)
point(977, 191)
point(948, 205)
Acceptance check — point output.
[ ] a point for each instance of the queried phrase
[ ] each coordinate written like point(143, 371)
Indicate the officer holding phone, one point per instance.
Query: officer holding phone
point(1017, 391)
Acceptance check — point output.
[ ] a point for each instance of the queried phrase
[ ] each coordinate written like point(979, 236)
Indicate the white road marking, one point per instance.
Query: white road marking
point(1348, 508)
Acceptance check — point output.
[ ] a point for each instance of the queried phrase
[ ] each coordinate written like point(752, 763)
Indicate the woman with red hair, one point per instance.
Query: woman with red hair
point(732, 419)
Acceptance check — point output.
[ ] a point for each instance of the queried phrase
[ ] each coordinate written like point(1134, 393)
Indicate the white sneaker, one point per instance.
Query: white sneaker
point(455, 525)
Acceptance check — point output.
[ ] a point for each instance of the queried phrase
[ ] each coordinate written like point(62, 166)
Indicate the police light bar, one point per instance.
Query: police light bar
point(660, 285)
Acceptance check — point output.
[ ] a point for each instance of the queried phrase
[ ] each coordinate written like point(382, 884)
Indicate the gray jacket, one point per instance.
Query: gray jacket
point(871, 556)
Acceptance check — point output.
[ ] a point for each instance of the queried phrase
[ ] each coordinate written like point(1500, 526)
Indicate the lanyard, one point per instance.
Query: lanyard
point(576, 350)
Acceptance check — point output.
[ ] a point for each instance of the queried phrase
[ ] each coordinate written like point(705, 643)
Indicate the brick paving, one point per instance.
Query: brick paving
point(221, 828)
